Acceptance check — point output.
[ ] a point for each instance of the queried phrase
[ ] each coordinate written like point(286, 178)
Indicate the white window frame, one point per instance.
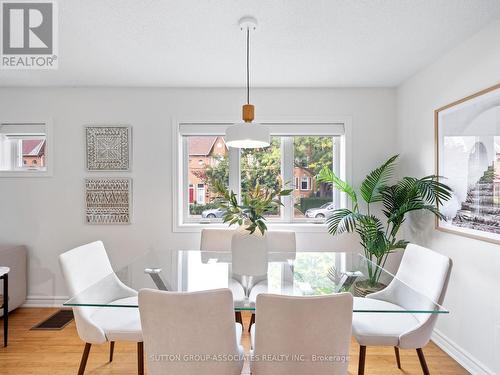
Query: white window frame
point(307, 180)
point(285, 127)
point(49, 147)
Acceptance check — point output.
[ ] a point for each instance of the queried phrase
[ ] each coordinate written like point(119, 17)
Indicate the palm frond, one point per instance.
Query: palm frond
point(326, 175)
point(376, 180)
point(401, 244)
point(373, 238)
point(341, 221)
point(433, 191)
point(398, 214)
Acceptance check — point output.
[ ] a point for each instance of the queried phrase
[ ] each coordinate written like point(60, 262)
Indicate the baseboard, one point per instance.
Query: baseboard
point(464, 358)
point(45, 301)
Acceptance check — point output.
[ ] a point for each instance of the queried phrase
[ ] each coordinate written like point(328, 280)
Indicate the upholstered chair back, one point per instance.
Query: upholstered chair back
point(304, 328)
point(185, 333)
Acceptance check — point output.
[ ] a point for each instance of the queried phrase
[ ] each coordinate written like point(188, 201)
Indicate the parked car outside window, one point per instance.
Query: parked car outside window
point(214, 213)
point(321, 212)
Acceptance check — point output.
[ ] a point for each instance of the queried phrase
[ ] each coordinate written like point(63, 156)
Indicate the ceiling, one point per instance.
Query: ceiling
point(299, 43)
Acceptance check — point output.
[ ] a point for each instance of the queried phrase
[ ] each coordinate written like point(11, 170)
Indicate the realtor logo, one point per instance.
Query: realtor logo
point(29, 35)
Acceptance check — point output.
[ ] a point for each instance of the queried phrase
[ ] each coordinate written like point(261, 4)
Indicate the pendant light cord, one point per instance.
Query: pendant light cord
point(248, 65)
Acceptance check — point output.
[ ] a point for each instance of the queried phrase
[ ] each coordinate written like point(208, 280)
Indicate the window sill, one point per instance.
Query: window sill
point(26, 173)
point(296, 227)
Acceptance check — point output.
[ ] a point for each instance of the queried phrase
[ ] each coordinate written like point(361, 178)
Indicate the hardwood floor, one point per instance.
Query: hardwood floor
point(59, 353)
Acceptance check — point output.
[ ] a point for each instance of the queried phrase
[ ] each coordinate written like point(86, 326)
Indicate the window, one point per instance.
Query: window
point(296, 155)
point(200, 194)
point(304, 183)
point(24, 149)
point(207, 163)
point(311, 154)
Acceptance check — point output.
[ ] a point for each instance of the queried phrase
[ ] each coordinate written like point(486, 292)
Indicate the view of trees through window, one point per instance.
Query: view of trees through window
point(262, 166)
point(311, 154)
point(209, 161)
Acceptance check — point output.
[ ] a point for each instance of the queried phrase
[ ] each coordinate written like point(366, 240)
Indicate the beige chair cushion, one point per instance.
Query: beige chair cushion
point(380, 328)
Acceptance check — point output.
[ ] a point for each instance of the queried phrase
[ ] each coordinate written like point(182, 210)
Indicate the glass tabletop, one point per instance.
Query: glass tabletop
point(375, 290)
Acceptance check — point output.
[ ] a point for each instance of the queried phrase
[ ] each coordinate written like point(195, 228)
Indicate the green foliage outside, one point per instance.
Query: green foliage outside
point(263, 166)
point(314, 153)
point(197, 209)
point(313, 270)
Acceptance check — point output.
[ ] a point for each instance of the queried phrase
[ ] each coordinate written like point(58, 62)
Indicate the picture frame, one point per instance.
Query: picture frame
point(467, 158)
point(108, 200)
point(108, 148)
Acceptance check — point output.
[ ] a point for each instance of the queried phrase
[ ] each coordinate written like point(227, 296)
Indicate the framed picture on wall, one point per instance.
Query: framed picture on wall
point(108, 200)
point(468, 159)
point(108, 148)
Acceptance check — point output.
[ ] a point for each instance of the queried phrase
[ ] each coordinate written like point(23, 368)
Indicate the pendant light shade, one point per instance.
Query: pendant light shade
point(248, 134)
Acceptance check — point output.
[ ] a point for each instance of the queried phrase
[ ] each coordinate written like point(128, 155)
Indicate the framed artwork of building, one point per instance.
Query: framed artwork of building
point(108, 148)
point(468, 159)
point(108, 200)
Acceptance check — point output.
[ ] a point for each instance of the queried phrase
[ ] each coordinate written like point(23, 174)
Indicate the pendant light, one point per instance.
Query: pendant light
point(248, 134)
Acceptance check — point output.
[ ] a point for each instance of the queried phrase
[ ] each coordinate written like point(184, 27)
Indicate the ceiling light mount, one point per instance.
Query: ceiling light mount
point(248, 23)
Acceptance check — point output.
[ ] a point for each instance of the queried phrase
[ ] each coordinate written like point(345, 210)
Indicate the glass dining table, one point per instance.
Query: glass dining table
point(375, 289)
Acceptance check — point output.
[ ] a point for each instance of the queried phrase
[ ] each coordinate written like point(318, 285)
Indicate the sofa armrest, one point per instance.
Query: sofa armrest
point(15, 257)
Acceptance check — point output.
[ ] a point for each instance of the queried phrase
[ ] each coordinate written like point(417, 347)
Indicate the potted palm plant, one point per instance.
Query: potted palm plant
point(379, 237)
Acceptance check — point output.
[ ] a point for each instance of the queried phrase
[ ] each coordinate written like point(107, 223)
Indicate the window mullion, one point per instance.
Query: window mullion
point(235, 172)
point(185, 179)
point(287, 176)
point(336, 169)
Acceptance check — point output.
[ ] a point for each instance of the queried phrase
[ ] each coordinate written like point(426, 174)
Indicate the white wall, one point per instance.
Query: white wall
point(472, 331)
point(47, 214)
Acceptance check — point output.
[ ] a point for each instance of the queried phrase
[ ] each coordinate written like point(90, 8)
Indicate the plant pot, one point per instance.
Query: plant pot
point(249, 253)
point(363, 287)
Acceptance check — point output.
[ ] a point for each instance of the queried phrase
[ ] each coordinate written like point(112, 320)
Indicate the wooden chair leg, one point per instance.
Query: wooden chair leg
point(237, 317)
point(362, 356)
point(252, 321)
point(5, 308)
point(85, 356)
point(111, 350)
point(140, 358)
point(421, 358)
point(398, 359)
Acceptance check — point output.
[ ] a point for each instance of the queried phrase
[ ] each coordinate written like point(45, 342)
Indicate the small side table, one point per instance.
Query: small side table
point(4, 275)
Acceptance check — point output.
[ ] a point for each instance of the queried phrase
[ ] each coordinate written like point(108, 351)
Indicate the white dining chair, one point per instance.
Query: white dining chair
point(314, 332)
point(278, 241)
point(215, 239)
point(219, 240)
point(420, 282)
point(179, 340)
point(83, 267)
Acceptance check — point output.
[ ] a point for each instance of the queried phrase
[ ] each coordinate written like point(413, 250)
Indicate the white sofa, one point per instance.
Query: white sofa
point(15, 257)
